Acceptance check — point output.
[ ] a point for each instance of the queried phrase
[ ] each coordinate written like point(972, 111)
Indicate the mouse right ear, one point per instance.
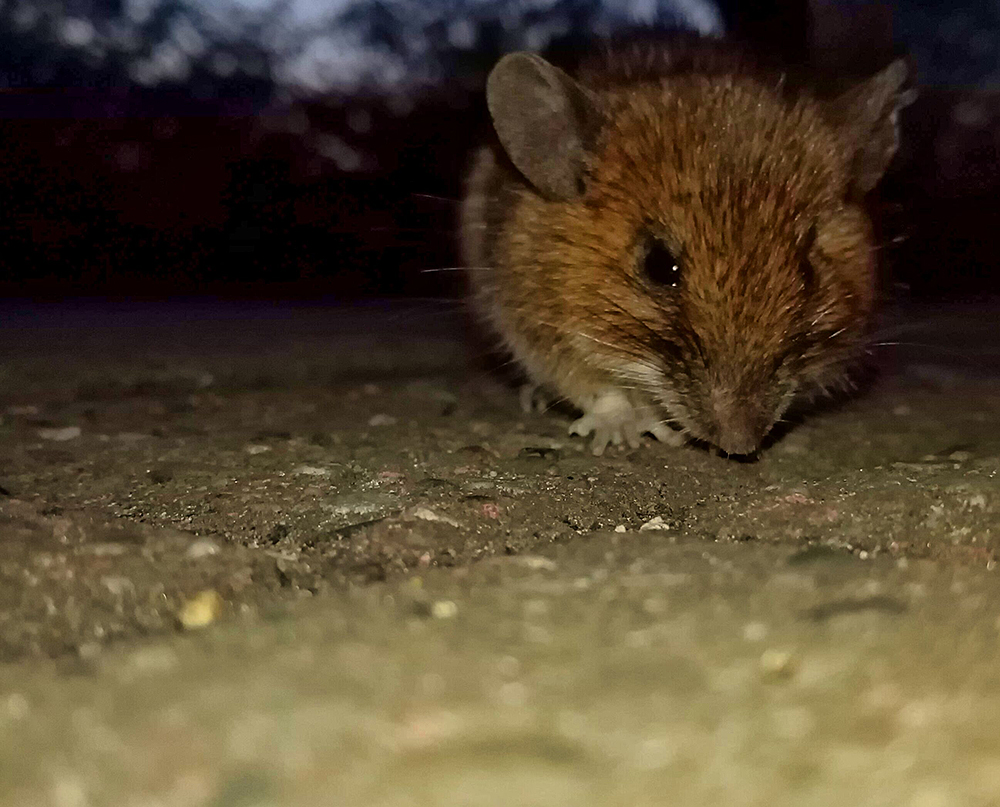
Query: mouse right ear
point(867, 118)
point(545, 121)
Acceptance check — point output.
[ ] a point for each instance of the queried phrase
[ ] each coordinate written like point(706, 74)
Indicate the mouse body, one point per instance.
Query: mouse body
point(673, 242)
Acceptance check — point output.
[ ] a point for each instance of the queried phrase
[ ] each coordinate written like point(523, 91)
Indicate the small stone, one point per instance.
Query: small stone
point(381, 420)
point(201, 610)
point(778, 664)
point(311, 470)
point(88, 651)
point(117, 585)
point(257, 449)
point(60, 435)
point(620, 528)
point(444, 609)
point(202, 548)
point(16, 706)
point(426, 514)
point(537, 563)
point(655, 523)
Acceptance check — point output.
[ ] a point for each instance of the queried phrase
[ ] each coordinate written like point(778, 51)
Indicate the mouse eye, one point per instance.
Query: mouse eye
point(660, 266)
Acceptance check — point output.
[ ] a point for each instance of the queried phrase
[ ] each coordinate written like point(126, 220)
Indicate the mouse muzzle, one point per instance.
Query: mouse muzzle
point(739, 422)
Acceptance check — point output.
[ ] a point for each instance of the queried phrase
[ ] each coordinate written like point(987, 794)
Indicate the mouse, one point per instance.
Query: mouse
point(674, 241)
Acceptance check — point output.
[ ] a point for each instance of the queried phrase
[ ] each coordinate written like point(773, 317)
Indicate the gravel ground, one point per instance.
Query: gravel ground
point(816, 627)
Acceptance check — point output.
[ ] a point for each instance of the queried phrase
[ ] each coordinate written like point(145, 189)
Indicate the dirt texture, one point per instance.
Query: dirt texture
point(166, 466)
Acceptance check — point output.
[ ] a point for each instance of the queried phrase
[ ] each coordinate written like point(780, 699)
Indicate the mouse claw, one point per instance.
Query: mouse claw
point(581, 427)
point(614, 420)
point(632, 434)
point(665, 434)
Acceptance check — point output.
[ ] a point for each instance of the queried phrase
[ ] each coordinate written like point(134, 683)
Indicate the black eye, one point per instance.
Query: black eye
point(660, 265)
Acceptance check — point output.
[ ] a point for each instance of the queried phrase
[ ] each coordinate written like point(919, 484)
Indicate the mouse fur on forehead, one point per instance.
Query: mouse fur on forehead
point(670, 236)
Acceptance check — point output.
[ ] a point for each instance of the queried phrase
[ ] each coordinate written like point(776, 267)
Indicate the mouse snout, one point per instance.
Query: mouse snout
point(740, 421)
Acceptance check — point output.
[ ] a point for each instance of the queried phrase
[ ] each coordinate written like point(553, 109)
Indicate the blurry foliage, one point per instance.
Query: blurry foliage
point(172, 47)
point(165, 145)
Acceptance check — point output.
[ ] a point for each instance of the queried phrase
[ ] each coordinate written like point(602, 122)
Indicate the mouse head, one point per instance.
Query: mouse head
point(706, 229)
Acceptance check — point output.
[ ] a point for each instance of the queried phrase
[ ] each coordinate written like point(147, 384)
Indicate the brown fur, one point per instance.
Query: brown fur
point(750, 190)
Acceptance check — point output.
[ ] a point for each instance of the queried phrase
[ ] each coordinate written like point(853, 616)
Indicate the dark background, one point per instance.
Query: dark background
point(217, 179)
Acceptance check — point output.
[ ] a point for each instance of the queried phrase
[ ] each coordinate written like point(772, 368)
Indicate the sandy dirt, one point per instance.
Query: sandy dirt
point(153, 453)
point(258, 555)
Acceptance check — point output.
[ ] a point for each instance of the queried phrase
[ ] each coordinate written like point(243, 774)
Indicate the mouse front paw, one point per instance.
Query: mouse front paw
point(614, 419)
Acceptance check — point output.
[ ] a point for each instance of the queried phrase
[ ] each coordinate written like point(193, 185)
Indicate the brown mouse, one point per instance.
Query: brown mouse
point(673, 242)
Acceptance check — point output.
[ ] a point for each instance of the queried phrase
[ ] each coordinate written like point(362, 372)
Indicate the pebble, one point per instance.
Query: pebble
point(118, 585)
point(444, 609)
point(361, 504)
point(426, 514)
point(201, 610)
point(311, 470)
point(381, 420)
point(17, 706)
point(777, 663)
point(88, 651)
point(536, 563)
point(655, 523)
point(257, 449)
point(202, 548)
point(60, 435)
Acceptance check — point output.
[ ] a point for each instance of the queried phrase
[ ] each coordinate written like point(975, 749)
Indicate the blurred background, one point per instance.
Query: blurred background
point(314, 148)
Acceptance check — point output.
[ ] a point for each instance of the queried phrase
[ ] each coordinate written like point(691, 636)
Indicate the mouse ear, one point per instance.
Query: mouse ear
point(867, 117)
point(545, 121)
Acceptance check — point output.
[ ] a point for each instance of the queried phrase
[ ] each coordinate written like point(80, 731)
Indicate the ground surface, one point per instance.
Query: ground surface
point(820, 626)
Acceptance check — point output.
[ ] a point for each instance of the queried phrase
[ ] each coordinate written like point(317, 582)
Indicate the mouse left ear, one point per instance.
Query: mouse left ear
point(867, 118)
point(545, 121)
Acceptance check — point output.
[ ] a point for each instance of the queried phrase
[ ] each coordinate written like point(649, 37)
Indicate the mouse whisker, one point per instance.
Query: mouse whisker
point(456, 269)
point(436, 198)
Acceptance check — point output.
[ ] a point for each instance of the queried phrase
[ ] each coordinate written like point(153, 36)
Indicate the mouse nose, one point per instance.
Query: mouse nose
point(740, 423)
